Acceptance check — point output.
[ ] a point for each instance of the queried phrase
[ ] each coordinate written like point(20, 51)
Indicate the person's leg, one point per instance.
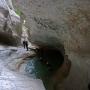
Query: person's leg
point(24, 44)
point(27, 46)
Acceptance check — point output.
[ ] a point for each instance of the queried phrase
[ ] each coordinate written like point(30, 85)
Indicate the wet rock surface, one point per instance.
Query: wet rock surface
point(30, 65)
point(10, 76)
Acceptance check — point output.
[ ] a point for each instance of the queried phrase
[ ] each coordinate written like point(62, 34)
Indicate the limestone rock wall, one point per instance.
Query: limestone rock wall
point(55, 22)
point(9, 23)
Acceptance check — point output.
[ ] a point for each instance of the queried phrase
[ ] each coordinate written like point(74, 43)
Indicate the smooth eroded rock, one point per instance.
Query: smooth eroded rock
point(55, 22)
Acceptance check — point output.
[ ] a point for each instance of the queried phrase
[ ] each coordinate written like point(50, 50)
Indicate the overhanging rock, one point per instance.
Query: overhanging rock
point(61, 21)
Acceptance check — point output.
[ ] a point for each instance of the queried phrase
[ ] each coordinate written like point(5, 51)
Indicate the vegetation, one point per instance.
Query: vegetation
point(18, 12)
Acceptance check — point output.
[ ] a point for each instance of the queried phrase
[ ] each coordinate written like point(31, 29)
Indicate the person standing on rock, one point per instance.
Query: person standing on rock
point(25, 35)
point(25, 44)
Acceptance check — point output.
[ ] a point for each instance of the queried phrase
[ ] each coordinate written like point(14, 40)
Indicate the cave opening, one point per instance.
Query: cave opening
point(51, 56)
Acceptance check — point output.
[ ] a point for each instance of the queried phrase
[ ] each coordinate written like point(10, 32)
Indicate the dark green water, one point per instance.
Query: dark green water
point(37, 69)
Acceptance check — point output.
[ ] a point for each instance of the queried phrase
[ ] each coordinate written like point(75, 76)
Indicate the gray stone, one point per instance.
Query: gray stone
point(55, 22)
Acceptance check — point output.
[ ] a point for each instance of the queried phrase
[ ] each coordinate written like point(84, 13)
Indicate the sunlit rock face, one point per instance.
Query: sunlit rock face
point(56, 22)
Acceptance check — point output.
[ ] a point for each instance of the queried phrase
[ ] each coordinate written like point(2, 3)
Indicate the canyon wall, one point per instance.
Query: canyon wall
point(56, 22)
